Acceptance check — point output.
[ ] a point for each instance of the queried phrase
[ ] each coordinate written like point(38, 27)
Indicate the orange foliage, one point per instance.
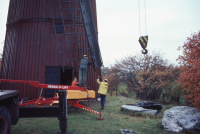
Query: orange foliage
point(190, 69)
point(145, 76)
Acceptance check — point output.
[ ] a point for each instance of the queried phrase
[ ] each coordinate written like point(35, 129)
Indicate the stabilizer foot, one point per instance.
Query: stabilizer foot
point(99, 118)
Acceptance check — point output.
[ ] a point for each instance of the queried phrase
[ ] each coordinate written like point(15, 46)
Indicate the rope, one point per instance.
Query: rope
point(145, 17)
point(139, 16)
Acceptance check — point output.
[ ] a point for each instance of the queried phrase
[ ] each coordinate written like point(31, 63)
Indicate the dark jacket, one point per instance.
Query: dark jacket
point(85, 62)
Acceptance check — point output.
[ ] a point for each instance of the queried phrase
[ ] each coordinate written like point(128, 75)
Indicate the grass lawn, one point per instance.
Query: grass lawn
point(83, 122)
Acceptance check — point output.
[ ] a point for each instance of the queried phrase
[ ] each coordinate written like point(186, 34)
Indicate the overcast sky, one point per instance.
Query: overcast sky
point(168, 24)
point(3, 15)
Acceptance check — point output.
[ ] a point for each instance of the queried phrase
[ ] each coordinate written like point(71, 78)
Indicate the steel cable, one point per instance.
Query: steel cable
point(139, 16)
point(145, 17)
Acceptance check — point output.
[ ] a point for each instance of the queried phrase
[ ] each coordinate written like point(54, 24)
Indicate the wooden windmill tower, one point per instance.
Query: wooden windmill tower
point(45, 41)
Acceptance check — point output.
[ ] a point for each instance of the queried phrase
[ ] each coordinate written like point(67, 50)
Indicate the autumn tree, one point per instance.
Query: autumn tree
point(145, 75)
point(190, 69)
point(172, 91)
point(104, 70)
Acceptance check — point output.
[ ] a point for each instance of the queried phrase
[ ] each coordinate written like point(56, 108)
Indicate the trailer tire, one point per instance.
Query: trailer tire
point(5, 120)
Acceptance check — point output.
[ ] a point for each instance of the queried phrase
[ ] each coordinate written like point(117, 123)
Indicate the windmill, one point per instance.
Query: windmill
point(45, 41)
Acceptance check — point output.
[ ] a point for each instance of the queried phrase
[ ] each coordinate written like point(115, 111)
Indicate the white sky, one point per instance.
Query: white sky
point(3, 16)
point(168, 22)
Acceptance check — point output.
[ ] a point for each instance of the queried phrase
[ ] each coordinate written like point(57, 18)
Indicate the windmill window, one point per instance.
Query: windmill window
point(59, 29)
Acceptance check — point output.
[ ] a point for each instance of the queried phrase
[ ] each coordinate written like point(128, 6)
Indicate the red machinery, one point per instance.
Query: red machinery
point(41, 101)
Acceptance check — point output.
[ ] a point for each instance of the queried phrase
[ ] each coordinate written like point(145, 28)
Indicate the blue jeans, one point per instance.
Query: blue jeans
point(82, 75)
point(103, 98)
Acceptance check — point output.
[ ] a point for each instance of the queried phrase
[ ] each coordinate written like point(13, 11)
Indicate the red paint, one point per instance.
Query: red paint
point(43, 101)
point(30, 45)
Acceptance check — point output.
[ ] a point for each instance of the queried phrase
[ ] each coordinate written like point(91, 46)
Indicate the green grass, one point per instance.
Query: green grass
point(83, 122)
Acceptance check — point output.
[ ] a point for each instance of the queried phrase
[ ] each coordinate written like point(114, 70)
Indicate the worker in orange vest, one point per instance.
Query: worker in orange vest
point(74, 82)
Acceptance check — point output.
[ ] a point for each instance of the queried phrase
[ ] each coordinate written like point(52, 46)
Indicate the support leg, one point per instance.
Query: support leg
point(63, 112)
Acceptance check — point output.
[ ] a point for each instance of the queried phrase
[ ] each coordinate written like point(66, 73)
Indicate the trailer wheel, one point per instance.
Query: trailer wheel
point(5, 120)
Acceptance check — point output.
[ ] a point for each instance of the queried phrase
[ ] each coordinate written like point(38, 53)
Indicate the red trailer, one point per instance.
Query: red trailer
point(11, 109)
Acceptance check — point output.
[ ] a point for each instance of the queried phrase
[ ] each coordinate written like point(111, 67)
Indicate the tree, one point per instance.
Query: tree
point(172, 91)
point(145, 76)
point(104, 71)
point(190, 69)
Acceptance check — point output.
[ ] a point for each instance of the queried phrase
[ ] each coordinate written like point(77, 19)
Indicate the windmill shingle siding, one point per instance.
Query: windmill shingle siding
point(30, 46)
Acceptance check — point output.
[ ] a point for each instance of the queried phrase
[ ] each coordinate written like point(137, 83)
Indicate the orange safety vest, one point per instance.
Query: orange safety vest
point(74, 83)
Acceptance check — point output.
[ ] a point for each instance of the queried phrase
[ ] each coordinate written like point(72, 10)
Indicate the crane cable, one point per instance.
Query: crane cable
point(145, 17)
point(139, 16)
point(143, 40)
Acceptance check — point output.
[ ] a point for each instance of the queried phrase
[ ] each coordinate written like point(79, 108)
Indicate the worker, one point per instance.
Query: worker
point(103, 87)
point(83, 70)
point(74, 82)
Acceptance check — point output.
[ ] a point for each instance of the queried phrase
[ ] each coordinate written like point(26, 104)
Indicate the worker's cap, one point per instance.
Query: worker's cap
point(74, 78)
point(105, 80)
point(85, 55)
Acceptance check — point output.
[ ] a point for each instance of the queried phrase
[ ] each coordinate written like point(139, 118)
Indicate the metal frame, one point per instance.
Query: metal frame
point(41, 101)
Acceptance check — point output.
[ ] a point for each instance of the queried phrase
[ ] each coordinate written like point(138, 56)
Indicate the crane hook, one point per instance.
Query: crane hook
point(143, 40)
